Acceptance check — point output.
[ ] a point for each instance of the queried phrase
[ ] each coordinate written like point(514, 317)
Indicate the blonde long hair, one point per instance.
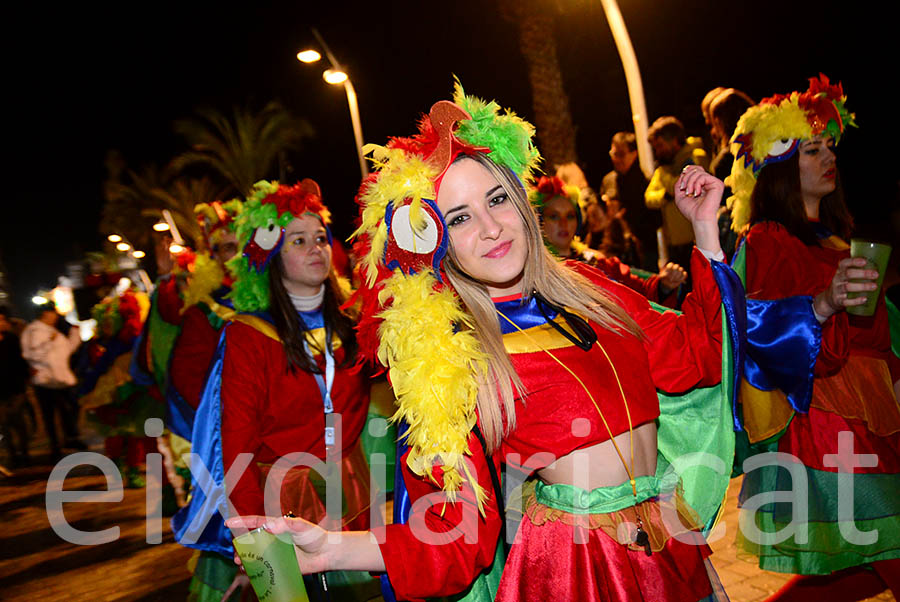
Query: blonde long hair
point(544, 274)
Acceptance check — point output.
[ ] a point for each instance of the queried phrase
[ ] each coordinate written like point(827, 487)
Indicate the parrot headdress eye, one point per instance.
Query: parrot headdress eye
point(263, 245)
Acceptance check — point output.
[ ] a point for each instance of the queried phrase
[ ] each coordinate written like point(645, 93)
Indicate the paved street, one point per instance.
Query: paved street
point(36, 564)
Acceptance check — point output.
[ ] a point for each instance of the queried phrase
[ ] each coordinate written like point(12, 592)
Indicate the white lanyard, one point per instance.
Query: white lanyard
point(325, 385)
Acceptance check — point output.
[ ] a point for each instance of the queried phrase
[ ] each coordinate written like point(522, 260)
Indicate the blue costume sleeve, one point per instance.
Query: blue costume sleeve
point(201, 524)
point(783, 341)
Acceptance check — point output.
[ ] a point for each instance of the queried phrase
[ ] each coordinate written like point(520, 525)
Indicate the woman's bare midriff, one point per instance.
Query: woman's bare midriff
point(600, 465)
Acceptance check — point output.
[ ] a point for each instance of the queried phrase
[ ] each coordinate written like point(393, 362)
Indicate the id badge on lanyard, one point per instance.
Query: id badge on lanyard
point(325, 383)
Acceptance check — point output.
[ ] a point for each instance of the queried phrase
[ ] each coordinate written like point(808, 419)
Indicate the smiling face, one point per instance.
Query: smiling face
point(559, 223)
point(817, 169)
point(487, 236)
point(306, 256)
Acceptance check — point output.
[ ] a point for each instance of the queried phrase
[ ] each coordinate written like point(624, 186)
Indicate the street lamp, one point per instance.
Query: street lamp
point(114, 238)
point(138, 254)
point(337, 75)
point(160, 226)
point(633, 80)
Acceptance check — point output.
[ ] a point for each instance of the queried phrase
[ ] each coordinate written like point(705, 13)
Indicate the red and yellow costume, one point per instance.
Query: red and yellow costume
point(415, 324)
point(679, 353)
point(852, 392)
point(270, 411)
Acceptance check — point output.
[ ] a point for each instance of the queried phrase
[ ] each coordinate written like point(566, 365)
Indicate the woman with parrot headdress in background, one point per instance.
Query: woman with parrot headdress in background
point(284, 380)
point(788, 204)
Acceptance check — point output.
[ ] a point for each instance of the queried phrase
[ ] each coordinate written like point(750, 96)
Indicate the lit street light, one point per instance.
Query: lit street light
point(308, 56)
point(175, 248)
point(160, 226)
point(39, 300)
point(336, 75)
point(123, 246)
point(138, 254)
point(114, 238)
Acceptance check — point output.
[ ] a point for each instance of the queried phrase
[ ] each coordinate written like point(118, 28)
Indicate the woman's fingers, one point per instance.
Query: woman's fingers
point(861, 274)
point(243, 524)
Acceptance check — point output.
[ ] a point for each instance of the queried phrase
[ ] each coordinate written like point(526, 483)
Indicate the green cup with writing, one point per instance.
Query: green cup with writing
point(877, 255)
point(271, 564)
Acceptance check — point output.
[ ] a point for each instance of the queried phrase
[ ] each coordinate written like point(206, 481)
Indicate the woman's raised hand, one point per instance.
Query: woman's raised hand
point(834, 298)
point(308, 538)
point(698, 194)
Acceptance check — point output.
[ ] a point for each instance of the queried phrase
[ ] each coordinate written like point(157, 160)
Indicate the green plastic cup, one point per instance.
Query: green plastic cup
point(271, 564)
point(877, 256)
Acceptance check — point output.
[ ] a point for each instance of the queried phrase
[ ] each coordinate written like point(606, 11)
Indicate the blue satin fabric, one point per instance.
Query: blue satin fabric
point(734, 304)
point(179, 413)
point(402, 503)
point(525, 315)
point(312, 319)
point(201, 523)
point(784, 339)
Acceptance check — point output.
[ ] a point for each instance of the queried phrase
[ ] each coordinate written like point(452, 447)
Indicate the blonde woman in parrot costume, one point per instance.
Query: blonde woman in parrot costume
point(499, 353)
point(788, 204)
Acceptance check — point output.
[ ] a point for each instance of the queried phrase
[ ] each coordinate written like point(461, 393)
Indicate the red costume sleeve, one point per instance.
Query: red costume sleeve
point(443, 547)
point(619, 272)
point(780, 265)
point(243, 391)
point(192, 354)
point(684, 351)
point(168, 300)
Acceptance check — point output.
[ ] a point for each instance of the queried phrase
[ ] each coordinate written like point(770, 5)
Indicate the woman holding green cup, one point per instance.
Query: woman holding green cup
point(789, 206)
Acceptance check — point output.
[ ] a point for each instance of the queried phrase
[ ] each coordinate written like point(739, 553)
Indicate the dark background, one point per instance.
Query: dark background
point(87, 78)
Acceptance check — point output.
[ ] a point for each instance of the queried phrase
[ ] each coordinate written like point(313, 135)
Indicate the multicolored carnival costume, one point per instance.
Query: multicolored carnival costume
point(417, 327)
point(115, 404)
point(847, 385)
point(205, 310)
point(253, 403)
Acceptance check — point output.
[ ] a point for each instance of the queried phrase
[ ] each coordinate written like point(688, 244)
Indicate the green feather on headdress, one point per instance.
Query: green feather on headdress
point(507, 135)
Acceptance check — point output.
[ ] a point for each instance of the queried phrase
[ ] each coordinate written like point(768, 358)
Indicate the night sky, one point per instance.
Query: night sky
point(88, 77)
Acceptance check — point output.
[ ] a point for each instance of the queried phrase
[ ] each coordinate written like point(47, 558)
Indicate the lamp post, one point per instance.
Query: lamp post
point(633, 79)
point(336, 75)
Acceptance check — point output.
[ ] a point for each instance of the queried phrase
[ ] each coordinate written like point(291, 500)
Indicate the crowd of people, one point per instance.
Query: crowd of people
point(524, 334)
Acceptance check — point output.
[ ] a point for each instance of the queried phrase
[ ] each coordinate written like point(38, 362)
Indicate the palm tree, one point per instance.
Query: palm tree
point(127, 195)
point(179, 197)
point(243, 149)
point(553, 118)
point(136, 199)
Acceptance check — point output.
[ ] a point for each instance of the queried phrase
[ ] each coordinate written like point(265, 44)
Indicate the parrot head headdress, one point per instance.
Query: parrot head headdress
point(260, 230)
point(412, 320)
point(215, 220)
point(772, 130)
